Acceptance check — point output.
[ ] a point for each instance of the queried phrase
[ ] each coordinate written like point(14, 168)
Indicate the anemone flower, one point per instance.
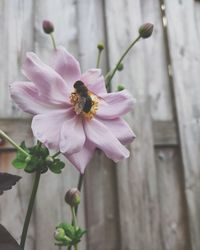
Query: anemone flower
point(74, 121)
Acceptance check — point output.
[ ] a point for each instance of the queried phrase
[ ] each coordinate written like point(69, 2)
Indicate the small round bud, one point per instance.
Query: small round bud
point(146, 30)
point(72, 197)
point(100, 46)
point(120, 67)
point(59, 234)
point(47, 26)
point(120, 87)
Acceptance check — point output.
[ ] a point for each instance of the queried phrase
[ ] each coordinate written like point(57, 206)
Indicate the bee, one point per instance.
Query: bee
point(85, 101)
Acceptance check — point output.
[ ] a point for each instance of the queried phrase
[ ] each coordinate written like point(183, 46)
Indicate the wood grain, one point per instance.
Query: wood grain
point(184, 43)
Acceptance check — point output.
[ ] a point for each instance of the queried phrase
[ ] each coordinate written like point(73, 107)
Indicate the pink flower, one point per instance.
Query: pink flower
point(59, 121)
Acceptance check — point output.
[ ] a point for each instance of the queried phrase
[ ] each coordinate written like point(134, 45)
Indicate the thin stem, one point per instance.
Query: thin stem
point(98, 58)
point(56, 154)
point(53, 40)
point(6, 137)
point(79, 186)
point(30, 208)
point(111, 73)
point(74, 223)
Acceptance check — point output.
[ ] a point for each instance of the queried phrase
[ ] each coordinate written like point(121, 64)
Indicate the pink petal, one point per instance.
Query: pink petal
point(49, 83)
point(67, 66)
point(120, 129)
point(104, 139)
point(26, 96)
point(47, 127)
point(72, 136)
point(115, 104)
point(81, 159)
point(94, 81)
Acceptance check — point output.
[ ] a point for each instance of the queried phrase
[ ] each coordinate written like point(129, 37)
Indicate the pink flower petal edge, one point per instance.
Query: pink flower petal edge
point(57, 124)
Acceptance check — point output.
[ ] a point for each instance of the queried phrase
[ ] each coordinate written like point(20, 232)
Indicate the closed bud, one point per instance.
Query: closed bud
point(59, 234)
point(146, 30)
point(72, 197)
point(120, 67)
point(100, 46)
point(48, 27)
point(120, 87)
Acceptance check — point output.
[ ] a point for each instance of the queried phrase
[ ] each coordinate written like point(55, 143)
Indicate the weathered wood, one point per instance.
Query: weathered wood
point(174, 233)
point(165, 134)
point(16, 35)
point(185, 54)
point(137, 180)
point(17, 129)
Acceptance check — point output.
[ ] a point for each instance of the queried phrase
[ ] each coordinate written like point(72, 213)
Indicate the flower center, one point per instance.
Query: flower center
point(85, 104)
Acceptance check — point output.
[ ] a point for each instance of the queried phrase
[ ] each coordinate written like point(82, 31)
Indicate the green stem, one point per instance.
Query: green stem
point(98, 58)
point(56, 154)
point(111, 73)
point(53, 40)
point(74, 223)
point(6, 137)
point(30, 208)
point(79, 186)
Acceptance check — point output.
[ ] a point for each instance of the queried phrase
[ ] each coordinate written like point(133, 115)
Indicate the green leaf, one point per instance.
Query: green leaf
point(56, 166)
point(18, 163)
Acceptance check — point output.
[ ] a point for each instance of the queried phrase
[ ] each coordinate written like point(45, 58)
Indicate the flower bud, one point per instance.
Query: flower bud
point(59, 234)
point(120, 67)
point(48, 27)
point(72, 197)
point(146, 30)
point(120, 87)
point(100, 46)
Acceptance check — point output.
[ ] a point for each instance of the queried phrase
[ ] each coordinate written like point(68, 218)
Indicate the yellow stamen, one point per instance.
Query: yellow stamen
point(75, 100)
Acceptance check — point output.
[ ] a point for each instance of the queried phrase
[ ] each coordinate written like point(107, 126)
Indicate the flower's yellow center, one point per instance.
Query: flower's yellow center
point(83, 106)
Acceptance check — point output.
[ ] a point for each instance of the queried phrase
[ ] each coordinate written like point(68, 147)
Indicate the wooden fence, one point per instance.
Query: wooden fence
point(152, 200)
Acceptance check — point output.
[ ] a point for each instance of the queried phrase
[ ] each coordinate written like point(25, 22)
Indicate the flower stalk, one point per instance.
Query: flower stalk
point(30, 208)
point(111, 73)
point(7, 138)
point(53, 40)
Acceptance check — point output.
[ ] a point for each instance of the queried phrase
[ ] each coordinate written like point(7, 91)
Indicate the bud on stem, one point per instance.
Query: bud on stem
point(146, 30)
point(47, 26)
point(72, 197)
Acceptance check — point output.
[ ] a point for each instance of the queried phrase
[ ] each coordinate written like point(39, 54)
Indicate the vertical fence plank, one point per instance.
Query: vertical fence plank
point(15, 17)
point(174, 224)
point(50, 206)
point(101, 202)
point(185, 54)
point(137, 180)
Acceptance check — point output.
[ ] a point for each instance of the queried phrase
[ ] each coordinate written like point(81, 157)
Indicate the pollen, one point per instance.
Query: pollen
point(78, 102)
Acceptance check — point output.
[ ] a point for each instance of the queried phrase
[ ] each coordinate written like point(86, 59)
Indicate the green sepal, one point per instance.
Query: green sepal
point(20, 161)
point(73, 233)
point(56, 166)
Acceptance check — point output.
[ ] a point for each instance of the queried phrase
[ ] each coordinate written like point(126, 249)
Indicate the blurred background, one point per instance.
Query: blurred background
point(152, 200)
